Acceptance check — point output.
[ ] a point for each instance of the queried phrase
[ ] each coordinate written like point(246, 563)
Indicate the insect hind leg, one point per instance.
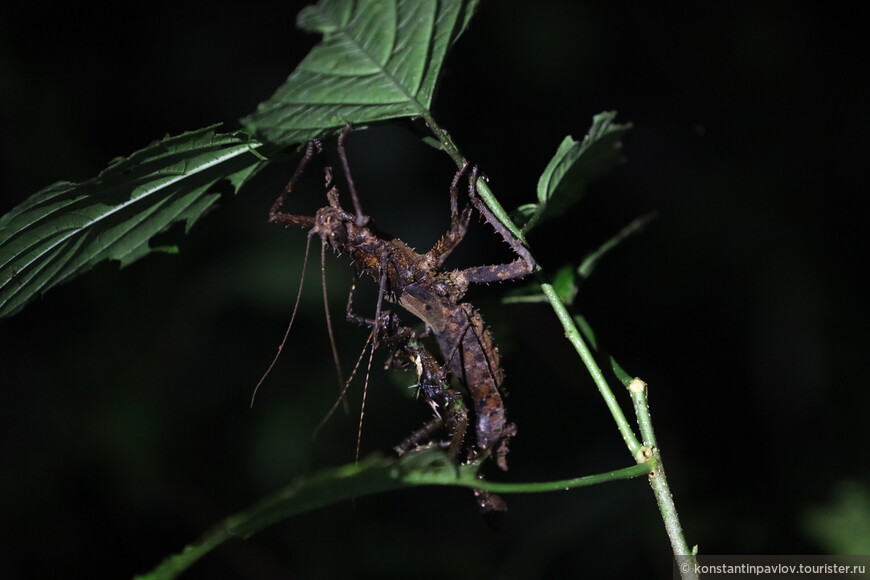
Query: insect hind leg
point(521, 267)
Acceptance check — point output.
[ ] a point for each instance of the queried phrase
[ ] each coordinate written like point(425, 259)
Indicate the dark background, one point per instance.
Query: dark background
point(124, 418)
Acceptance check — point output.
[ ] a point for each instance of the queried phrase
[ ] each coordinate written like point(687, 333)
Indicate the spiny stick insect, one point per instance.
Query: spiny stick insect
point(418, 283)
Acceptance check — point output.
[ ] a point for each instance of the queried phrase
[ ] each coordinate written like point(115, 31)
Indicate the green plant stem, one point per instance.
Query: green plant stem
point(665, 500)
point(576, 340)
point(564, 484)
point(657, 478)
point(637, 388)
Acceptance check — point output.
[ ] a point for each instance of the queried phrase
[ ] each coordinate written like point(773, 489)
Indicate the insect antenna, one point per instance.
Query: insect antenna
point(341, 395)
point(289, 326)
point(342, 386)
point(374, 337)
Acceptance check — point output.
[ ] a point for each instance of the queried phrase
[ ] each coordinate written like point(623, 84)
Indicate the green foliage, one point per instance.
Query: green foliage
point(575, 165)
point(378, 60)
point(67, 228)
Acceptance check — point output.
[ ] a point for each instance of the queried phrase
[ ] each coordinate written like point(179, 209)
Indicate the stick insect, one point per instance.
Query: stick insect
point(418, 283)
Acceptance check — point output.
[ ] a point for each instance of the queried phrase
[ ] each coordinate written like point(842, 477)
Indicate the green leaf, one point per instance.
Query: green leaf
point(590, 261)
point(590, 337)
point(564, 283)
point(67, 228)
point(575, 165)
point(378, 60)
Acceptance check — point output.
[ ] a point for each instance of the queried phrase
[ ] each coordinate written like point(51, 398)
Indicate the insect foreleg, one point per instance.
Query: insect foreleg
point(361, 219)
point(276, 216)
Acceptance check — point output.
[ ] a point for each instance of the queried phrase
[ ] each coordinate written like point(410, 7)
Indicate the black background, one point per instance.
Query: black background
point(124, 419)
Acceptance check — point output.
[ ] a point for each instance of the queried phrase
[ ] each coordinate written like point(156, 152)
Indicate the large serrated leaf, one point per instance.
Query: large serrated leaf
point(575, 165)
point(67, 228)
point(378, 60)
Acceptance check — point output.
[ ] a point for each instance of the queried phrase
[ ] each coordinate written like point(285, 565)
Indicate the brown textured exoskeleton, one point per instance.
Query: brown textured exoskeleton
point(418, 283)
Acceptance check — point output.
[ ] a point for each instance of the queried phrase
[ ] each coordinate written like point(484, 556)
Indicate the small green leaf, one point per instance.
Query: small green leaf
point(590, 337)
point(378, 60)
point(575, 165)
point(586, 330)
point(524, 213)
point(67, 228)
point(565, 284)
point(584, 270)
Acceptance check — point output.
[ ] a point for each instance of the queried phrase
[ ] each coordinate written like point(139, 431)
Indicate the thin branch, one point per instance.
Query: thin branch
point(658, 481)
point(576, 340)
